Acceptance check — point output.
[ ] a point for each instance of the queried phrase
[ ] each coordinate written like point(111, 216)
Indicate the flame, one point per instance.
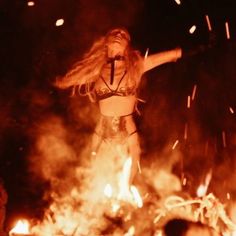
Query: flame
point(136, 196)
point(30, 3)
point(108, 191)
point(202, 189)
point(21, 227)
point(124, 180)
point(131, 231)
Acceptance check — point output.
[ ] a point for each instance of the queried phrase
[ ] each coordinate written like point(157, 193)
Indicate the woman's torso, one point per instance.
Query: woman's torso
point(117, 98)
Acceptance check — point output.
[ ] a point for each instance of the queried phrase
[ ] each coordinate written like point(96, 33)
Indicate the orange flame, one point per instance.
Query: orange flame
point(21, 227)
point(108, 191)
point(202, 189)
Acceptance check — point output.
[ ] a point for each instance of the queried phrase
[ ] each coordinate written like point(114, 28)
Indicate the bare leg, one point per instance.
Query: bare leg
point(96, 139)
point(134, 152)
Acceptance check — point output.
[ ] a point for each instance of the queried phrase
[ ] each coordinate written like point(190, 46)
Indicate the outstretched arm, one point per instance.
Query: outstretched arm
point(162, 57)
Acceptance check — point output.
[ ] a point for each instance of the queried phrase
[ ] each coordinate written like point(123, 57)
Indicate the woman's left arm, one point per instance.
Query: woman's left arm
point(160, 58)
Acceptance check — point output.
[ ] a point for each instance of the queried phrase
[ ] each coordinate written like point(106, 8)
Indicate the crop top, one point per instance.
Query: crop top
point(107, 92)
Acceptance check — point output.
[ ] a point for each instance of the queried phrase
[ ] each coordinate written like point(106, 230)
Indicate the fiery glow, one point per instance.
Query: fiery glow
point(231, 110)
point(30, 3)
point(184, 182)
point(21, 227)
point(202, 189)
point(108, 191)
point(59, 22)
point(137, 197)
point(175, 144)
point(194, 92)
point(227, 30)
point(146, 53)
point(208, 22)
point(192, 29)
point(131, 231)
point(188, 102)
point(178, 2)
point(124, 180)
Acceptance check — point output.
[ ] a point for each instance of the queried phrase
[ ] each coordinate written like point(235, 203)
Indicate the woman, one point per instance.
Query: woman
point(110, 73)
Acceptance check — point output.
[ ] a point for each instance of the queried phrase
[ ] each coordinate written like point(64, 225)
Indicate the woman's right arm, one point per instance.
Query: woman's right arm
point(160, 58)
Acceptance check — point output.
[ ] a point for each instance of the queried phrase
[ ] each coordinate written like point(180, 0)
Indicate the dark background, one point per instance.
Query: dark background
point(34, 51)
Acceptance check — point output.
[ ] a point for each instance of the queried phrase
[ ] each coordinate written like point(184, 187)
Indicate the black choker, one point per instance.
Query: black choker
point(112, 61)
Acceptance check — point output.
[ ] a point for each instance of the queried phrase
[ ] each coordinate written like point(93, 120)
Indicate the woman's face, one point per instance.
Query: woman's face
point(117, 40)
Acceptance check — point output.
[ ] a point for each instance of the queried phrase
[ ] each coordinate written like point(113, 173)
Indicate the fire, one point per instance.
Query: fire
point(21, 227)
point(202, 189)
point(108, 191)
point(136, 196)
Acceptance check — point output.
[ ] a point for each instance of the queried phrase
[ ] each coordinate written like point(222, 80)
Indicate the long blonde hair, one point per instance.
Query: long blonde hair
point(87, 70)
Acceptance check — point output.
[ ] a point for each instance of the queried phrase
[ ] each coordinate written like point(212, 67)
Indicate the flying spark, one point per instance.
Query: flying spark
point(188, 101)
point(208, 23)
point(227, 30)
point(194, 91)
point(146, 53)
point(175, 144)
point(59, 22)
point(192, 29)
point(231, 110)
point(178, 2)
point(30, 3)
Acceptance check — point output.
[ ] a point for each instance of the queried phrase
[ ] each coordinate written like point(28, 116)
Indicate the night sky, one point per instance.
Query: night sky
point(34, 51)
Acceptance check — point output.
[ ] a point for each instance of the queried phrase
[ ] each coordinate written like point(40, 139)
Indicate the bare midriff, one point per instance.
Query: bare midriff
point(117, 105)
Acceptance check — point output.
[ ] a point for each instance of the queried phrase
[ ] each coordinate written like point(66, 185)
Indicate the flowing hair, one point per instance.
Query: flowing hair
point(85, 72)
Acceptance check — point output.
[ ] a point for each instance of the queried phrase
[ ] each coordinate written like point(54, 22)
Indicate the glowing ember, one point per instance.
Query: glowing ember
point(231, 110)
point(175, 144)
point(192, 29)
point(178, 2)
point(21, 227)
point(59, 22)
point(188, 102)
point(30, 3)
point(146, 53)
point(208, 23)
point(227, 30)
point(194, 91)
